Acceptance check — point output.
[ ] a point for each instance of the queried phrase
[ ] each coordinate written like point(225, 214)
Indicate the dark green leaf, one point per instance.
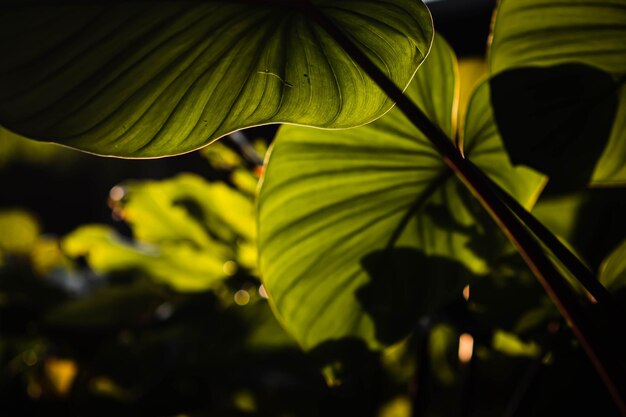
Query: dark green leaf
point(540, 33)
point(145, 79)
point(557, 119)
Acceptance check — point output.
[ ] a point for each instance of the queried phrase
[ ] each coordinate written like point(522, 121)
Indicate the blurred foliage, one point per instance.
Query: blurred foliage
point(16, 148)
point(613, 269)
point(20, 231)
point(164, 319)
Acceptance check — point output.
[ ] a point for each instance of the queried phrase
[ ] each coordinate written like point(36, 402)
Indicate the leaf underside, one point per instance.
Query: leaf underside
point(345, 215)
point(147, 79)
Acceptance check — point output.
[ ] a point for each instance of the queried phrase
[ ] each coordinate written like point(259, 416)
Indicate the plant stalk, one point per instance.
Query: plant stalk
point(604, 302)
point(599, 293)
point(603, 356)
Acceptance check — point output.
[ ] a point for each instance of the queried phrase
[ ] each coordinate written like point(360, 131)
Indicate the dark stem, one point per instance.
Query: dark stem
point(600, 351)
point(580, 271)
point(605, 304)
point(532, 374)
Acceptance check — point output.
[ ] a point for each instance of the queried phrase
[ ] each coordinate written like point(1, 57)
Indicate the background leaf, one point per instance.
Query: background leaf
point(188, 233)
point(146, 79)
point(542, 33)
point(187, 207)
point(182, 266)
point(611, 169)
point(613, 269)
point(336, 206)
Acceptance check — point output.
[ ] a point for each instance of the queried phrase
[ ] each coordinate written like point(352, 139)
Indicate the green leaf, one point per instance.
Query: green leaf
point(182, 266)
point(190, 234)
point(511, 345)
point(613, 269)
point(611, 169)
point(15, 149)
point(146, 79)
point(541, 33)
point(550, 32)
point(483, 145)
point(590, 222)
point(341, 212)
point(442, 346)
point(187, 207)
point(187, 210)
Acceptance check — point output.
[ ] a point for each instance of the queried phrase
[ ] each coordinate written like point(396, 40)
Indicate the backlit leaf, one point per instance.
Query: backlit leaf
point(182, 266)
point(145, 79)
point(364, 229)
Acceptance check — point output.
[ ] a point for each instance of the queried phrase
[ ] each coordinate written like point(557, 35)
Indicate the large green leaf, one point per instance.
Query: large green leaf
point(588, 35)
point(150, 78)
point(353, 222)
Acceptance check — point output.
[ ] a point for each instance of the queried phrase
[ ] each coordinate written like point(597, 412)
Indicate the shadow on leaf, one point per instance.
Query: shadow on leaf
point(405, 284)
point(557, 120)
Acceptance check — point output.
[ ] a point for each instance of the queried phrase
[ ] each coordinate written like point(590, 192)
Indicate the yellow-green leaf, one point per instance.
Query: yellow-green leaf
point(362, 230)
point(182, 266)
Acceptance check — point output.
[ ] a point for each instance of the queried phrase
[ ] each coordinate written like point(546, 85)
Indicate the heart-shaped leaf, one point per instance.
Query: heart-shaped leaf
point(145, 79)
point(587, 34)
point(343, 213)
